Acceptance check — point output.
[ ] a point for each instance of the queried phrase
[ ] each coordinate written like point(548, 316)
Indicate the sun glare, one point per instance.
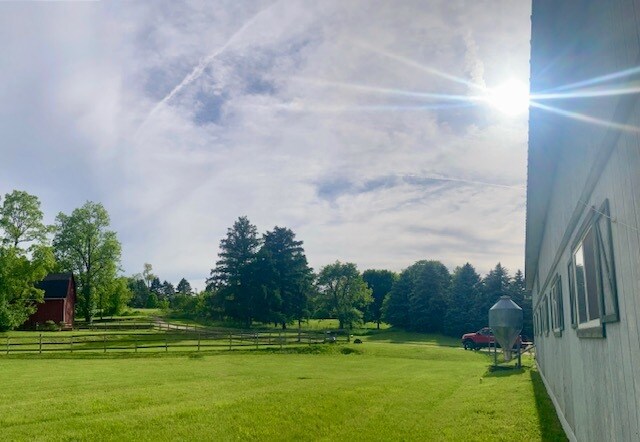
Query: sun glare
point(511, 98)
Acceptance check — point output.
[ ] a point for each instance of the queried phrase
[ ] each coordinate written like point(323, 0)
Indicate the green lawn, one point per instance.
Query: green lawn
point(379, 390)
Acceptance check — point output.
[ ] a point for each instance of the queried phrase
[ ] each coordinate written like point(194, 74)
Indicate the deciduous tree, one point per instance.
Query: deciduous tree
point(380, 282)
point(18, 276)
point(343, 291)
point(21, 219)
point(84, 245)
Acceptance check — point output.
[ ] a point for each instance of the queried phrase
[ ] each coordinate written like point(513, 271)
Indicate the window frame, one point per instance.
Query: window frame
point(558, 306)
point(597, 228)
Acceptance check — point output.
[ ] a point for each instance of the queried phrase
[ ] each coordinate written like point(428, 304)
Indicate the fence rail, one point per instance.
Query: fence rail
point(175, 336)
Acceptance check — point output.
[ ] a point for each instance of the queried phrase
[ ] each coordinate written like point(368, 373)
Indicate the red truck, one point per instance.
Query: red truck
point(482, 338)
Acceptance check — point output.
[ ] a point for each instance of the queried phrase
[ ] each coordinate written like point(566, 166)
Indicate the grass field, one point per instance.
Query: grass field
point(393, 388)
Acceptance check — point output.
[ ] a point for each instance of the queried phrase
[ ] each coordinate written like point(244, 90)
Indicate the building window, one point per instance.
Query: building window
point(545, 314)
point(592, 276)
point(557, 307)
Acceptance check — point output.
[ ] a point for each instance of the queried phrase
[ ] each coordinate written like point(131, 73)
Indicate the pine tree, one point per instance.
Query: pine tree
point(465, 291)
point(520, 296)
point(232, 276)
point(290, 276)
point(497, 283)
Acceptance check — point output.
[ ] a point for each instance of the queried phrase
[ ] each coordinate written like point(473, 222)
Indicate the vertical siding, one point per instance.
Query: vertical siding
point(596, 382)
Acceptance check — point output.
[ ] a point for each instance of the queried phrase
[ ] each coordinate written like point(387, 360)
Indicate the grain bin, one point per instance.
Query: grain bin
point(505, 319)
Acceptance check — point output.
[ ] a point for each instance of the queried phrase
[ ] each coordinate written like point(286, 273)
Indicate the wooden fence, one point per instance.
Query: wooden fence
point(176, 339)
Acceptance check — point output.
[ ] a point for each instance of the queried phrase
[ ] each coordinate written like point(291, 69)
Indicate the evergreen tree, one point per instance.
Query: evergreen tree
point(139, 290)
point(396, 305)
point(168, 291)
point(497, 283)
point(289, 275)
point(520, 296)
point(156, 288)
point(465, 290)
point(380, 282)
point(427, 300)
point(184, 287)
point(232, 276)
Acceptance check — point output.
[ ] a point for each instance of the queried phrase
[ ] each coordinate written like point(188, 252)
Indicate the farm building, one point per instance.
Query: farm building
point(582, 256)
point(59, 300)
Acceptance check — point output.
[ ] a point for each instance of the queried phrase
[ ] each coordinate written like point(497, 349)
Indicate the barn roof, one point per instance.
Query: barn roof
point(56, 285)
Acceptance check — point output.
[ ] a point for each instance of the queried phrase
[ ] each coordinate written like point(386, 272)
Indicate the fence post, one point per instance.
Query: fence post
point(229, 340)
point(71, 344)
point(135, 342)
point(256, 340)
point(166, 342)
point(7, 344)
point(40, 347)
point(104, 342)
point(198, 341)
point(280, 339)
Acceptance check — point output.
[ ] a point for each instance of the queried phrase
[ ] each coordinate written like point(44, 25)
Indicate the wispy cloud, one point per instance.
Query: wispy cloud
point(349, 122)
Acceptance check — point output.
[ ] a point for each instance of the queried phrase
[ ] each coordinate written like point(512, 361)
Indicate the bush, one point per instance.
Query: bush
point(50, 326)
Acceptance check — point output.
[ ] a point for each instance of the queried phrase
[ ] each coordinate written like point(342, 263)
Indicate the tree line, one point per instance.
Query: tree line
point(257, 278)
point(267, 279)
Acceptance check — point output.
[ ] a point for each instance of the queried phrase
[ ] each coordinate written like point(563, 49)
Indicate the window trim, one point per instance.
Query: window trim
point(598, 223)
point(558, 306)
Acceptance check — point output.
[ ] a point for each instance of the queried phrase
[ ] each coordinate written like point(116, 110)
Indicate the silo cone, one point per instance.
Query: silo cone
point(505, 319)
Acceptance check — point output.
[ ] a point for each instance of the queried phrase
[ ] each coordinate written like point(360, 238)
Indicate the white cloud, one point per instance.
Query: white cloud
point(182, 117)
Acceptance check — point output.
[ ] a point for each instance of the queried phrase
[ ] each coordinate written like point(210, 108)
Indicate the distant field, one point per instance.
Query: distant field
point(383, 389)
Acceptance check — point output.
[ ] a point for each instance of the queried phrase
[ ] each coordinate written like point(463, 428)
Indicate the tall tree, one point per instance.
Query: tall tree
point(291, 275)
point(84, 245)
point(495, 284)
point(168, 291)
point(343, 291)
point(396, 306)
point(21, 219)
point(139, 290)
point(465, 290)
point(520, 296)
point(380, 282)
point(417, 301)
point(118, 296)
point(18, 277)
point(184, 287)
point(427, 301)
point(147, 274)
point(232, 276)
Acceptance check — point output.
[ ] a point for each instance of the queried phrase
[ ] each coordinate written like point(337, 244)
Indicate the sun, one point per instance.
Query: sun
point(510, 98)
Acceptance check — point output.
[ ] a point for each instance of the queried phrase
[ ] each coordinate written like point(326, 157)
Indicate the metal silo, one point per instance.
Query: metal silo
point(505, 319)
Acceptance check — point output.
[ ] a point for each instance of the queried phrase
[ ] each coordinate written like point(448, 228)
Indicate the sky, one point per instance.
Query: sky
point(330, 118)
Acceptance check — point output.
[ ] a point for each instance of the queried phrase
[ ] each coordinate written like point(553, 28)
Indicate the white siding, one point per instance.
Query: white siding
point(596, 382)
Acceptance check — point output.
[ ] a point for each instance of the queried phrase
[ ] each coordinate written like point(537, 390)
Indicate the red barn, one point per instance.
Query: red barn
point(59, 300)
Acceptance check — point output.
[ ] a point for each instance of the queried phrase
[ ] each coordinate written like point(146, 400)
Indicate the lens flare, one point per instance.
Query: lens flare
point(510, 98)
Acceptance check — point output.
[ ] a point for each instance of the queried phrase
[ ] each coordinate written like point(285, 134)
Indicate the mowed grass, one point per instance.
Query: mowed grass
point(374, 391)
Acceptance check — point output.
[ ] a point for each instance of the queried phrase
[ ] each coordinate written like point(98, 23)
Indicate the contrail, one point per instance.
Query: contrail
point(204, 62)
point(462, 180)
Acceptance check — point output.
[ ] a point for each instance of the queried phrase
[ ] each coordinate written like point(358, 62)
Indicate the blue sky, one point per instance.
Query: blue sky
point(181, 116)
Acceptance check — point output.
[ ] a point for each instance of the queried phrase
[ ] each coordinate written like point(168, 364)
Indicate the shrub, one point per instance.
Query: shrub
point(50, 326)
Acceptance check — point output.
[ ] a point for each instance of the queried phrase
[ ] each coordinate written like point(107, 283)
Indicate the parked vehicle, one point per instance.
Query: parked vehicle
point(482, 338)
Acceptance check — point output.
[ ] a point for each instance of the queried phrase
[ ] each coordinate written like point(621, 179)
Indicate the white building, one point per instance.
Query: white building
point(583, 213)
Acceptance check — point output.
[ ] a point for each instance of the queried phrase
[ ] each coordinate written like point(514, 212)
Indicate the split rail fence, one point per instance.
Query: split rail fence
point(162, 336)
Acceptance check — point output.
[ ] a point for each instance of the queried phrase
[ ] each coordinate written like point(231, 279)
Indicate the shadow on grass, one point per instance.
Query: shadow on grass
point(550, 427)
